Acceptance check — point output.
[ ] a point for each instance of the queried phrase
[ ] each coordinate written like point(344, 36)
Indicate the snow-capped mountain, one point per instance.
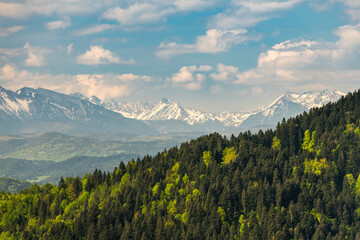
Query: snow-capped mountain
point(167, 115)
point(289, 105)
point(41, 110)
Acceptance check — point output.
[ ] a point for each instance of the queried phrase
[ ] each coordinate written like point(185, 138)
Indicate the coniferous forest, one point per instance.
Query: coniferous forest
point(300, 181)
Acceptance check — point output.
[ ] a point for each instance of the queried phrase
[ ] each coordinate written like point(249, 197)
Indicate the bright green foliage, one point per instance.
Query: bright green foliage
point(153, 207)
point(196, 193)
point(207, 158)
point(182, 192)
point(84, 182)
point(175, 178)
point(175, 168)
point(349, 127)
point(357, 211)
point(309, 143)
point(221, 213)
point(184, 216)
point(155, 189)
point(315, 165)
point(276, 144)
point(172, 207)
point(169, 223)
point(168, 188)
point(357, 131)
point(124, 179)
point(229, 155)
point(201, 177)
point(143, 209)
point(185, 179)
point(242, 229)
point(316, 214)
point(241, 219)
point(357, 186)
point(350, 179)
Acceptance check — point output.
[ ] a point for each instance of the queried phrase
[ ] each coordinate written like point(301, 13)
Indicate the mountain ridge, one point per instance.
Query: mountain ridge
point(42, 110)
point(287, 105)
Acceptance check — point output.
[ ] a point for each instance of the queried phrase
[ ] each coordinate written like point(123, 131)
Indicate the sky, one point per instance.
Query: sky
point(212, 55)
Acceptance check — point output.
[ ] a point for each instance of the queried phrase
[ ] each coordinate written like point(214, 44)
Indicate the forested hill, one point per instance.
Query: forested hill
point(300, 181)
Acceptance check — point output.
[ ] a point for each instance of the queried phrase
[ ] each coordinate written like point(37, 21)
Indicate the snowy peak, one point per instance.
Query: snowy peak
point(287, 105)
point(313, 99)
point(41, 110)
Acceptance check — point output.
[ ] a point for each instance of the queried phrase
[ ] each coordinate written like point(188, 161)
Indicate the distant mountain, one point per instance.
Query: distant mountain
point(41, 110)
point(169, 116)
point(289, 105)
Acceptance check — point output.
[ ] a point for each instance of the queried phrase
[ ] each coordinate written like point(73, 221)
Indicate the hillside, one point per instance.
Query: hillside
point(53, 146)
point(300, 181)
point(13, 185)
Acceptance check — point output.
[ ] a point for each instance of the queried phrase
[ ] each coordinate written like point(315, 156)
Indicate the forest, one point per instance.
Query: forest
point(300, 181)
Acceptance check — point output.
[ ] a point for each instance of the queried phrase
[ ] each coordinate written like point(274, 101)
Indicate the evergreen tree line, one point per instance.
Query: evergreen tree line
point(300, 181)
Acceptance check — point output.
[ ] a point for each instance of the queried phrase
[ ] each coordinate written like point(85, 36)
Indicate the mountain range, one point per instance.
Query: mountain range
point(168, 116)
point(31, 110)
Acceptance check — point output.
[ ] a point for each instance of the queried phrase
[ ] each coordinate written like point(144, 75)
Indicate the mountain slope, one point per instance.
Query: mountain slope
point(300, 181)
point(41, 110)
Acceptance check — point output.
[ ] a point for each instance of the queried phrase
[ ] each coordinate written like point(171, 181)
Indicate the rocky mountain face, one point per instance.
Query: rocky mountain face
point(42, 110)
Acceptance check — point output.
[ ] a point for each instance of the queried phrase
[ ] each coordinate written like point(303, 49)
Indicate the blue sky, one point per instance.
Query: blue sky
point(208, 54)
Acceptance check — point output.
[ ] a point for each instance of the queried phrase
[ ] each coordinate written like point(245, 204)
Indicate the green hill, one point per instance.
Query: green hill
point(57, 147)
point(13, 185)
point(300, 181)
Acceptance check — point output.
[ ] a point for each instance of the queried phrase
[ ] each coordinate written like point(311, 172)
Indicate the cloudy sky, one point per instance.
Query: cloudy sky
point(212, 55)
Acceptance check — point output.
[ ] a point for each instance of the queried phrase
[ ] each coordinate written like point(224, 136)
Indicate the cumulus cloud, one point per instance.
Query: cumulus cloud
point(307, 62)
point(214, 41)
point(58, 24)
point(102, 85)
point(94, 29)
point(225, 73)
point(34, 56)
point(97, 55)
point(4, 32)
point(188, 78)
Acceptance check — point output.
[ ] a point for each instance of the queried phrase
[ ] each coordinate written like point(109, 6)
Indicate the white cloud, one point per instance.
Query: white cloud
point(34, 56)
point(187, 78)
point(97, 55)
point(214, 41)
point(154, 11)
point(20, 9)
point(138, 13)
point(58, 24)
point(248, 13)
point(132, 77)
point(102, 85)
point(307, 63)
point(4, 32)
point(69, 48)
point(225, 73)
point(94, 29)
point(352, 8)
